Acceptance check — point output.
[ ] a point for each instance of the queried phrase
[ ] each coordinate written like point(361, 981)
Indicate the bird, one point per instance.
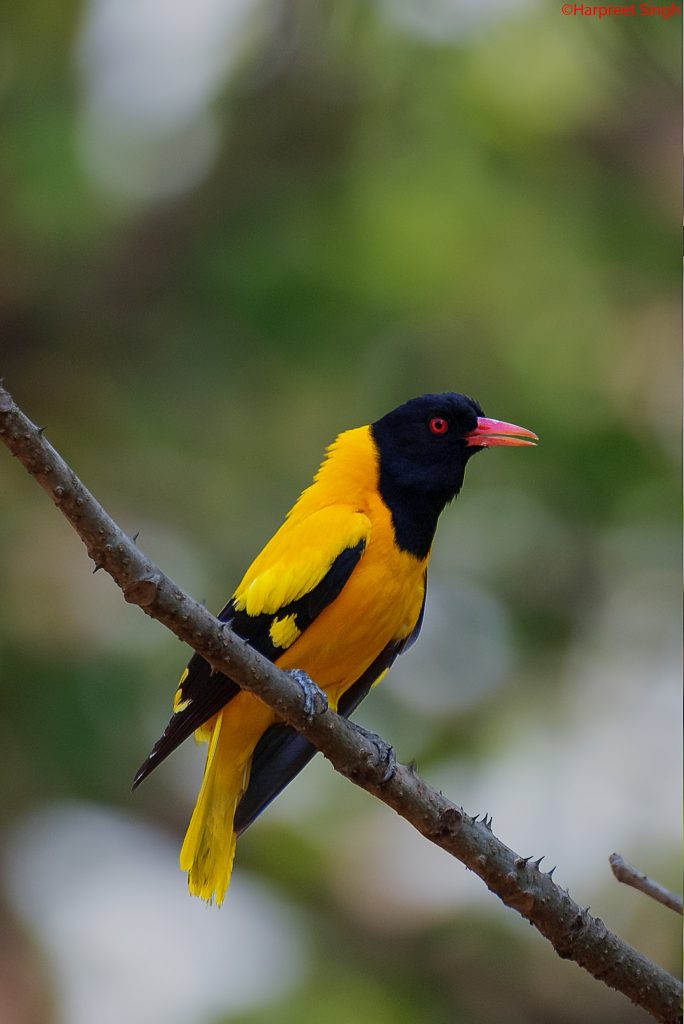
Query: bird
point(337, 593)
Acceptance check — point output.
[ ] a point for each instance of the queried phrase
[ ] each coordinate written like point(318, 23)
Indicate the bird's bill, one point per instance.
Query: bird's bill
point(489, 433)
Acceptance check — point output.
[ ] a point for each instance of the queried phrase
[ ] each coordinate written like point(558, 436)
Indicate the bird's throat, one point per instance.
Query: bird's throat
point(414, 516)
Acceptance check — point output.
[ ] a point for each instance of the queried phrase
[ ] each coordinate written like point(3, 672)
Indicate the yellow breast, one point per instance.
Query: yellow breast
point(383, 597)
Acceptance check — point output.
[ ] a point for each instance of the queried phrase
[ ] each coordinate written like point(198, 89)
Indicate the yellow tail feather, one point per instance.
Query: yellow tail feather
point(209, 846)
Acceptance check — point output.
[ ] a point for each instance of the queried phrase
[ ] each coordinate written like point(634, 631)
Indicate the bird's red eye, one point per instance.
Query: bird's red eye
point(438, 425)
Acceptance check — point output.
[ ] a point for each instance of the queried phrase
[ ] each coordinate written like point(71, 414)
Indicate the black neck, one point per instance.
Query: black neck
point(414, 515)
point(415, 492)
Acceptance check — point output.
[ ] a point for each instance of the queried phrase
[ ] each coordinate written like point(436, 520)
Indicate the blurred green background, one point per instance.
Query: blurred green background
point(229, 230)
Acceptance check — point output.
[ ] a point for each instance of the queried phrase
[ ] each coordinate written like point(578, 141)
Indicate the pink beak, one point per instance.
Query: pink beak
point(495, 432)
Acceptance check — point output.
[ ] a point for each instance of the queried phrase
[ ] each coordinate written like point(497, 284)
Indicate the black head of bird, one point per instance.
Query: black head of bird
point(424, 446)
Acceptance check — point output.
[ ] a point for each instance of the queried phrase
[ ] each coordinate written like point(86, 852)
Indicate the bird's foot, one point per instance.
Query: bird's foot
point(386, 753)
point(315, 700)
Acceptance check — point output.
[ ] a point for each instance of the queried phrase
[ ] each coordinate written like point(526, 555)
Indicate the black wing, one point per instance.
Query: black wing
point(202, 691)
point(282, 752)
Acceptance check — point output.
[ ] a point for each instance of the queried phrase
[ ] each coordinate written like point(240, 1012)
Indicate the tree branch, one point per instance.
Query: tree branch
point(572, 931)
point(627, 873)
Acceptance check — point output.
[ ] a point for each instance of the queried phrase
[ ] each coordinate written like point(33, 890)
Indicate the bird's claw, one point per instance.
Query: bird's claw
point(315, 700)
point(386, 752)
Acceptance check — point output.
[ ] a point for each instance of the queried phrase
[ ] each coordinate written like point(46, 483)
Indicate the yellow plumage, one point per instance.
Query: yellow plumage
point(380, 602)
point(208, 850)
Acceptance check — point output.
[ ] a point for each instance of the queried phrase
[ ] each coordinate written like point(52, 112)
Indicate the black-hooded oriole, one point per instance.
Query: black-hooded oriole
point(338, 592)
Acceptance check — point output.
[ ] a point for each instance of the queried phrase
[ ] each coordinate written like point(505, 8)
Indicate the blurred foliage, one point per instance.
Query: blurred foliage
point(393, 205)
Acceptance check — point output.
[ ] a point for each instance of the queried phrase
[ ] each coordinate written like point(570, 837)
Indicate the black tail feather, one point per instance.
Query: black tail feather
point(213, 691)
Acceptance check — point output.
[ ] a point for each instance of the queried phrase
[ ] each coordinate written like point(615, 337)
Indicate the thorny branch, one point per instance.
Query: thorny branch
point(518, 881)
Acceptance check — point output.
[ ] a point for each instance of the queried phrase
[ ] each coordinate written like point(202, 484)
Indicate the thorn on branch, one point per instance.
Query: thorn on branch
point(536, 863)
point(41, 430)
point(522, 862)
point(135, 536)
point(98, 566)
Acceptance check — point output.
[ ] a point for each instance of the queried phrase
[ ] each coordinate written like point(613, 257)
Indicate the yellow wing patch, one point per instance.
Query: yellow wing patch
point(179, 703)
point(284, 632)
point(297, 558)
